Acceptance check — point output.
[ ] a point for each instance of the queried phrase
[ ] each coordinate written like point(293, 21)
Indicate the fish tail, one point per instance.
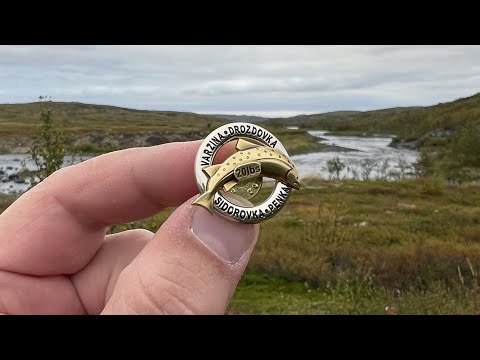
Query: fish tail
point(205, 200)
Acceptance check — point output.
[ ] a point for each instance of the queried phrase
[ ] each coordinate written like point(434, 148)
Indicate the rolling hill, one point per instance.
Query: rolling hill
point(19, 119)
point(109, 127)
point(409, 123)
point(102, 128)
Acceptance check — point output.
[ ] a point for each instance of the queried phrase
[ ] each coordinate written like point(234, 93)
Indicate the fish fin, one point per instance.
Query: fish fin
point(205, 200)
point(245, 144)
point(211, 170)
point(229, 185)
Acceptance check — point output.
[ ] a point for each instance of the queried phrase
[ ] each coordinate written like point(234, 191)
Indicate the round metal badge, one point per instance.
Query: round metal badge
point(258, 154)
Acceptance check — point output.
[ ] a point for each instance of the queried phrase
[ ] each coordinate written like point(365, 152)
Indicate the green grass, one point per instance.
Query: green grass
point(409, 233)
point(259, 293)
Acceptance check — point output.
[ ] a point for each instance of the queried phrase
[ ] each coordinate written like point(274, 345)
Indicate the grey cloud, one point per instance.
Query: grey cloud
point(242, 79)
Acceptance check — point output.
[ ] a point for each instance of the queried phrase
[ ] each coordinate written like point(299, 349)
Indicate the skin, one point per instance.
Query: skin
point(55, 257)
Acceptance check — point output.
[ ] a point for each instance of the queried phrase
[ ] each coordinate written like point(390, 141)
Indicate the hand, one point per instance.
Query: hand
point(55, 256)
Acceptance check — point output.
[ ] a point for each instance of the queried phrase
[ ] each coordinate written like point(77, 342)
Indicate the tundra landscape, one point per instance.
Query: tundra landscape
point(387, 220)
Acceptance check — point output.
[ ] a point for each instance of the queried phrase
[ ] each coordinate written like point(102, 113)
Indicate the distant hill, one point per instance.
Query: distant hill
point(260, 119)
point(102, 128)
point(407, 122)
point(241, 118)
point(448, 133)
point(18, 119)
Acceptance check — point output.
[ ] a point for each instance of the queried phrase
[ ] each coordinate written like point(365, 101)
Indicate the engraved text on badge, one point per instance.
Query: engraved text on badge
point(242, 129)
point(248, 171)
point(264, 211)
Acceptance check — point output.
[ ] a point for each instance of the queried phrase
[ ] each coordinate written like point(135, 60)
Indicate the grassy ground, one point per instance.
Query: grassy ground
point(350, 247)
point(260, 293)
point(365, 247)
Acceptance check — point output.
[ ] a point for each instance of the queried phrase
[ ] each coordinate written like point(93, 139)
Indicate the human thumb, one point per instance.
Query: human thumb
point(191, 266)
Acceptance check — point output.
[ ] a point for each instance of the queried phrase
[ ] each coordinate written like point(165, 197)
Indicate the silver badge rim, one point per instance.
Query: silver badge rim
point(225, 207)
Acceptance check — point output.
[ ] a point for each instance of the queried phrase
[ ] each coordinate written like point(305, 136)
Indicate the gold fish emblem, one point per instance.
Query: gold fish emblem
point(251, 161)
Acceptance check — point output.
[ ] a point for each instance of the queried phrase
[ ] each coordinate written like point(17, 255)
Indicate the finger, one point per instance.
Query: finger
point(59, 225)
point(84, 292)
point(95, 283)
point(25, 294)
point(191, 266)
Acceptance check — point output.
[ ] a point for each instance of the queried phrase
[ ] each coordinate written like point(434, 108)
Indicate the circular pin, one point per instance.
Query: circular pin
point(258, 154)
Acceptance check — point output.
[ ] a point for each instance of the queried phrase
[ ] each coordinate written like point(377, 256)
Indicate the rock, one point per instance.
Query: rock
point(9, 168)
point(2, 172)
point(437, 133)
point(415, 144)
point(361, 224)
point(406, 206)
point(16, 178)
point(396, 143)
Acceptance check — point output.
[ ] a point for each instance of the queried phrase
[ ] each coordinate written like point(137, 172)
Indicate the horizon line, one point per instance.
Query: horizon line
point(253, 113)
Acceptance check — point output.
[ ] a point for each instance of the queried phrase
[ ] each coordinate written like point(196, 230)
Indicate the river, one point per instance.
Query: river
point(11, 164)
point(371, 157)
point(384, 161)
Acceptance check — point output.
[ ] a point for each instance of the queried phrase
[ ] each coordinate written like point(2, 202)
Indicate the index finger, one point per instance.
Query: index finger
point(57, 227)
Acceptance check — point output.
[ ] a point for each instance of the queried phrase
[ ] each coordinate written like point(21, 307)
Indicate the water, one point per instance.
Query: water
point(13, 163)
point(386, 162)
point(373, 149)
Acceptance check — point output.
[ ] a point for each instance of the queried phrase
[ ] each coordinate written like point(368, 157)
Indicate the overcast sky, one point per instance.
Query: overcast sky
point(259, 80)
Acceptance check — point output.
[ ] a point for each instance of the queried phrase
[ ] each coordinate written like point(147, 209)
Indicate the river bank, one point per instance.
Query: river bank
point(310, 150)
point(358, 157)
